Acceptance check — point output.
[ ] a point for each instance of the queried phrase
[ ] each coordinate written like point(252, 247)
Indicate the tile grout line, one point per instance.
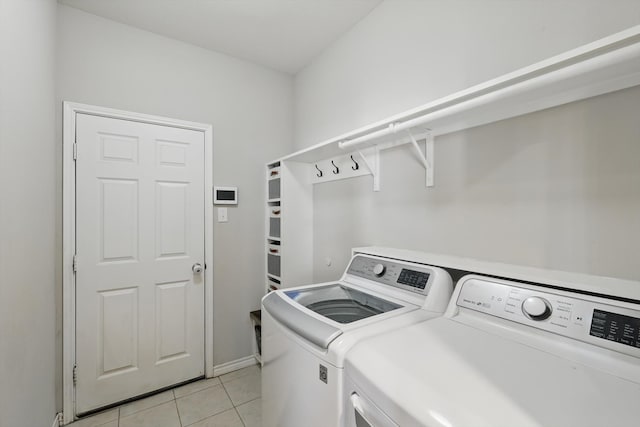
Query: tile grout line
point(238, 377)
point(178, 412)
point(145, 409)
point(212, 415)
point(235, 408)
point(194, 392)
point(252, 400)
point(175, 402)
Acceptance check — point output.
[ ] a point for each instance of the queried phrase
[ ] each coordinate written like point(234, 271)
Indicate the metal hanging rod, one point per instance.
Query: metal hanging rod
point(611, 60)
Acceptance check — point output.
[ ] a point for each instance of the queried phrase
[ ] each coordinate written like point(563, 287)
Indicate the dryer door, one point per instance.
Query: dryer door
point(361, 412)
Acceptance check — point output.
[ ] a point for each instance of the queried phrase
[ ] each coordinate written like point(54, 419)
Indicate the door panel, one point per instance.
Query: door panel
point(119, 148)
point(139, 230)
point(118, 220)
point(171, 219)
point(117, 331)
point(172, 153)
point(171, 321)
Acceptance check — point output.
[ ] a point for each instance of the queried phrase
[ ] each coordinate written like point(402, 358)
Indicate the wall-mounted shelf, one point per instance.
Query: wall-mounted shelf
point(367, 161)
point(606, 65)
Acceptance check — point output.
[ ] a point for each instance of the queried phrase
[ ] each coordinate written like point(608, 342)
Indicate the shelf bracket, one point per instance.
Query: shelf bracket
point(373, 169)
point(426, 158)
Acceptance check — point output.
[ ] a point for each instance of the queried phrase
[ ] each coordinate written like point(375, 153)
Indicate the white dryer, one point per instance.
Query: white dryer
point(306, 332)
point(505, 354)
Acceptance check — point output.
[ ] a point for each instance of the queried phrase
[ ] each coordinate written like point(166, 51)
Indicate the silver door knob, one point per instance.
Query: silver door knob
point(197, 268)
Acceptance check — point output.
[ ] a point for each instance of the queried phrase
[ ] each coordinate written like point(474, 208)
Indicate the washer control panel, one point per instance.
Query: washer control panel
point(411, 277)
point(606, 323)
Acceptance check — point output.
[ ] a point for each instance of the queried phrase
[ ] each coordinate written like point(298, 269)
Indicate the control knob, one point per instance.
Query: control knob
point(379, 270)
point(536, 308)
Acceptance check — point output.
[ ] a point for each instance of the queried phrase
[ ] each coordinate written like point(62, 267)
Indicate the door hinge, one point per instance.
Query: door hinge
point(75, 374)
point(75, 263)
point(75, 151)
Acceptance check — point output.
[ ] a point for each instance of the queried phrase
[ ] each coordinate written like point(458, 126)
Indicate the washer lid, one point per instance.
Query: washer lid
point(310, 328)
point(443, 373)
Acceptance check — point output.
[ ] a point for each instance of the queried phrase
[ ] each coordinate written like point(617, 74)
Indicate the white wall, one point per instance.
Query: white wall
point(104, 63)
point(557, 189)
point(27, 212)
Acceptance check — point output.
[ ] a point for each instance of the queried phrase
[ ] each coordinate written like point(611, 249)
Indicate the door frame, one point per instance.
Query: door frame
point(70, 111)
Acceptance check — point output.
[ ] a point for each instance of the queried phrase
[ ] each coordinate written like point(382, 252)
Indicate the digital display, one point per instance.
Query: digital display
point(415, 279)
point(616, 327)
point(226, 195)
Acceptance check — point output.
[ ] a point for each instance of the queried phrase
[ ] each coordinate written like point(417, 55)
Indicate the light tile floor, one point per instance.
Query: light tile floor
point(231, 400)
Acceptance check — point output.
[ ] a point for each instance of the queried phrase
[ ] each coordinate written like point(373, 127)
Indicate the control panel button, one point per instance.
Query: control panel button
point(379, 269)
point(536, 308)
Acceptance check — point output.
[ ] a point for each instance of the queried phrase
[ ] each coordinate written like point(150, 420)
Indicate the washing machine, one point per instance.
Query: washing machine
point(307, 330)
point(505, 354)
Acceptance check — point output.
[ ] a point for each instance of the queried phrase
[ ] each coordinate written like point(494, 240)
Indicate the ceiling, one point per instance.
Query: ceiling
point(282, 34)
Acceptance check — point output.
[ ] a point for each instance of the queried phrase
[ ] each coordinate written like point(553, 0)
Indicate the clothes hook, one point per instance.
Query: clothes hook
point(357, 166)
point(337, 171)
point(319, 175)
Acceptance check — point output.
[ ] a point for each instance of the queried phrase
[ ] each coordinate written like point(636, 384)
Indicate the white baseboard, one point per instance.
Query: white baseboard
point(234, 365)
point(57, 419)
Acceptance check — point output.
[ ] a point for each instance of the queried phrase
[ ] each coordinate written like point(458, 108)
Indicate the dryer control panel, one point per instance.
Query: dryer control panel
point(607, 323)
point(410, 277)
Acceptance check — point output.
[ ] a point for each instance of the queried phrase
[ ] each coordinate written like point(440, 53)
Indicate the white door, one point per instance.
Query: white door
point(139, 232)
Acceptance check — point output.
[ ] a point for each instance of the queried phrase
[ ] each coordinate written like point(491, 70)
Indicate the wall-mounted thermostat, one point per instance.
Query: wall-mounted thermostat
point(225, 195)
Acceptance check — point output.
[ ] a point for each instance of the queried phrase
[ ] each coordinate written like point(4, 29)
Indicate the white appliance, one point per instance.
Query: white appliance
point(307, 330)
point(505, 354)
